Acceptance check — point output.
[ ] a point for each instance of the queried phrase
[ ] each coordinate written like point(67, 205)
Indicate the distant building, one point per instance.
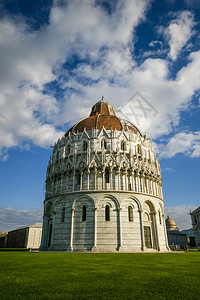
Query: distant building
point(190, 237)
point(195, 217)
point(25, 237)
point(3, 239)
point(171, 225)
point(175, 237)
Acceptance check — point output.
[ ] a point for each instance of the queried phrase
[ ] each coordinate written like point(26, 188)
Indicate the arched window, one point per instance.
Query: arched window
point(85, 146)
point(107, 176)
point(78, 176)
point(63, 215)
point(107, 213)
point(130, 213)
point(84, 213)
point(68, 149)
point(123, 146)
point(103, 144)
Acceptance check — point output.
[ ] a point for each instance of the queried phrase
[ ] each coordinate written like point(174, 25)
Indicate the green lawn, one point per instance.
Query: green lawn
point(25, 275)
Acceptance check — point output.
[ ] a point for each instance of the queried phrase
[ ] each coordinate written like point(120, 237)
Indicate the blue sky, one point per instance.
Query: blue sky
point(57, 58)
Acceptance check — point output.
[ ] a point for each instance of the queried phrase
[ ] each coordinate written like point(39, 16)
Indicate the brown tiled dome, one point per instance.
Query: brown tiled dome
point(102, 115)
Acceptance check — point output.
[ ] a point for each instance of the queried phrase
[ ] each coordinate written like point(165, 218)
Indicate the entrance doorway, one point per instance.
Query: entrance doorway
point(147, 236)
point(50, 234)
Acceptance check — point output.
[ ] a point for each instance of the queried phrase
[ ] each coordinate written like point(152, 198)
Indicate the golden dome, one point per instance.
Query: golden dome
point(170, 224)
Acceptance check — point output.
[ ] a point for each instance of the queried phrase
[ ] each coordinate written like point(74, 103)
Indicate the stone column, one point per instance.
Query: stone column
point(119, 178)
point(55, 186)
point(52, 187)
point(73, 185)
point(161, 190)
point(122, 180)
point(44, 238)
point(135, 182)
point(53, 225)
point(156, 187)
point(152, 186)
point(132, 180)
point(142, 230)
point(67, 183)
point(114, 180)
point(94, 248)
point(157, 246)
point(88, 179)
point(111, 179)
point(165, 231)
point(81, 181)
point(140, 183)
point(120, 228)
point(95, 178)
point(149, 185)
point(103, 178)
point(143, 183)
point(72, 231)
point(61, 184)
point(126, 180)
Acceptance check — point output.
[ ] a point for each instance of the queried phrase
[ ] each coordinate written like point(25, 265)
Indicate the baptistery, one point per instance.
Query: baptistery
point(104, 189)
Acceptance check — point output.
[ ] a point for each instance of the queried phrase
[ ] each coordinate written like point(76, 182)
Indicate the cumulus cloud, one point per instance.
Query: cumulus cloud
point(155, 43)
point(31, 59)
point(13, 217)
point(187, 143)
point(103, 46)
point(192, 3)
point(180, 214)
point(179, 32)
point(167, 169)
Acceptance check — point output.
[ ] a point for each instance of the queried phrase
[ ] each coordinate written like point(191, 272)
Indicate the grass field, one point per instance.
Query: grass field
point(25, 275)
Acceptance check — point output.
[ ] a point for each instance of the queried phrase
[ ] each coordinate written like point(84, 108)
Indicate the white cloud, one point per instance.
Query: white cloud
point(169, 97)
point(13, 217)
point(193, 3)
point(169, 170)
point(187, 143)
point(180, 214)
point(31, 59)
point(179, 32)
point(155, 43)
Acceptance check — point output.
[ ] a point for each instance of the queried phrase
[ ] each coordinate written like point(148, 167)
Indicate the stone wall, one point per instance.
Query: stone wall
point(17, 238)
point(195, 217)
point(119, 233)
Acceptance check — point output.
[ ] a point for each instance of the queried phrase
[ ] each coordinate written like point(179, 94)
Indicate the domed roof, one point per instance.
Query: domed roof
point(170, 224)
point(103, 115)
